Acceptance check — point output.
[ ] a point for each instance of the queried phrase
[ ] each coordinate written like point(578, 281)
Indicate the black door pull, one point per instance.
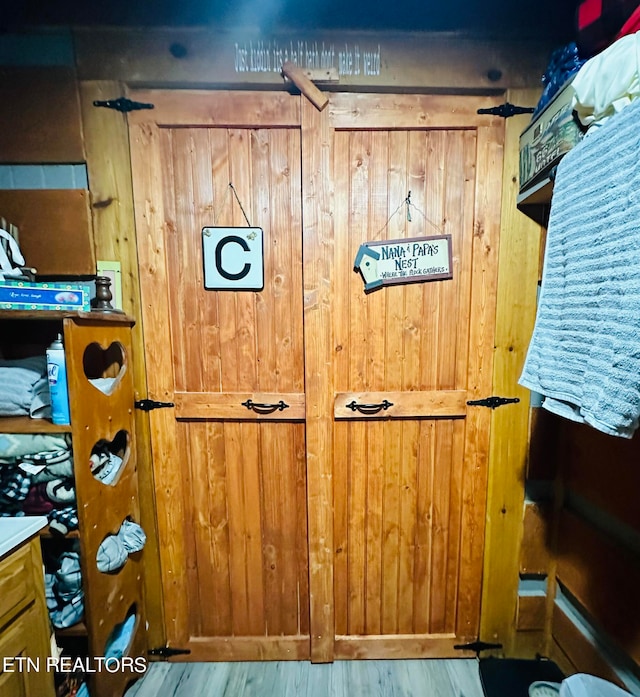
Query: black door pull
point(265, 408)
point(369, 408)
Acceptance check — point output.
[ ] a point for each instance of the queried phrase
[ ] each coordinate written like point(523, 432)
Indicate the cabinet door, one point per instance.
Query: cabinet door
point(397, 460)
point(230, 479)
point(394, 503)
point(26, 675)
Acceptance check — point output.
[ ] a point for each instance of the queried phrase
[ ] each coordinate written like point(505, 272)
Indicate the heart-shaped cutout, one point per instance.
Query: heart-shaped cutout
point(121, 637)
point(104, 368)
point(116, 548)
point(109, 458)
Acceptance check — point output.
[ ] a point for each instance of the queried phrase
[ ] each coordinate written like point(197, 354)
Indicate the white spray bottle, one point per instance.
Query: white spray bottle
point(57, 375)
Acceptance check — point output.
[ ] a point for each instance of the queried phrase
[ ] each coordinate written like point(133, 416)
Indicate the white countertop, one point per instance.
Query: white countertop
point(14, 531)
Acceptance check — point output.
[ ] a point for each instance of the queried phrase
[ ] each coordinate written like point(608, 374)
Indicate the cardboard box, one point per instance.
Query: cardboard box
point(22, 295)
point(548, 138)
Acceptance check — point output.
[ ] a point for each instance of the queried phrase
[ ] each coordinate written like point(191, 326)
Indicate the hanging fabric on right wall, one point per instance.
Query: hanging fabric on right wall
point(584, 355)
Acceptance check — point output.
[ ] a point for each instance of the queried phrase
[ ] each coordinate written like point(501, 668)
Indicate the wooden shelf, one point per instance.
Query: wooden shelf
point(79, 629)
point(63, 314)
point(46, 532)
point(100, 508)
point(535, 201)
point(25, 424)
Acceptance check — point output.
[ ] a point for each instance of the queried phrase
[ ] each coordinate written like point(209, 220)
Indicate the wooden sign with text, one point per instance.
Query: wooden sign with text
point(404, 261)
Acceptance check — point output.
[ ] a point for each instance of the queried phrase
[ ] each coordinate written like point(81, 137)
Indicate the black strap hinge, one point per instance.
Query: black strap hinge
point(493, 402)
point(122, 104)
point(167, 652)
point(476, 646)
point(506, 110)
point(149, 404)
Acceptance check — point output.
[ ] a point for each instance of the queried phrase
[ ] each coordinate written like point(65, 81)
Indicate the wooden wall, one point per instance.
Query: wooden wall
point(581, 540)
point(517, 282)
point(48, 118)
point(597, 566)
point(581, 537)
point(525, 443)
point(111, 59)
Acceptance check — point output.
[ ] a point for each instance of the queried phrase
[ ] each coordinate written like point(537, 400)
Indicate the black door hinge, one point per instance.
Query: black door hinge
point(122, 104)
point(149, 404)
point(476, 646)
point(492, 402)
point(506, 110)
point(167, 652)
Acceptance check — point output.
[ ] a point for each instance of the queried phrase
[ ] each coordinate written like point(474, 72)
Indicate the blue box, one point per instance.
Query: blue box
point(23, 295)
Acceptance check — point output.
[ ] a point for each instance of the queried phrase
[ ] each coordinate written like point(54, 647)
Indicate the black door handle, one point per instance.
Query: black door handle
point(261, 408)
point(369, 408)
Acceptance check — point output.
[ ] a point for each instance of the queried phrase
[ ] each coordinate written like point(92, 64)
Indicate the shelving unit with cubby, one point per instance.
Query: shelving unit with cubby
point(101, 396)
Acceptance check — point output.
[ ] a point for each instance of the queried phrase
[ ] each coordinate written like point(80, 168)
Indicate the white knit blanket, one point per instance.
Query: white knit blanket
point(584, 356)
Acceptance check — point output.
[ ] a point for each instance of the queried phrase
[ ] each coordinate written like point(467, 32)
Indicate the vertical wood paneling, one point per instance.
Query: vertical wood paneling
point(356, 521)
point(207, 545)
point(302, 534)
point(318, 273)
point(219, 335)
point(218, 605)
point(359, 151)
point(408, 517)
point(460, 152)
point(240, 174)
point(106, 142)
point(380, 333)
point(395, 512)
point(243, 486)
point(199, 200)
point(486, 233)
point(276, 565)
point(517, 288)
point(423, 540)
point(410, 497)
point(437, 360)
point(149, 212)
point(237, 530)
point(195, 531)
point(341, 352)
point(394, 536)
point(267, 307)
point(440, 531)
point(178, 153)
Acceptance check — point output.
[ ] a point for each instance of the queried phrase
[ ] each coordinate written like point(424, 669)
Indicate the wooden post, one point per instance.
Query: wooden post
point(106, 140)
point(517, 284)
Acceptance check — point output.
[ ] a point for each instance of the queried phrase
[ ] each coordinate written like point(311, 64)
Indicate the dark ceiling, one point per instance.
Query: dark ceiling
point(526, 18)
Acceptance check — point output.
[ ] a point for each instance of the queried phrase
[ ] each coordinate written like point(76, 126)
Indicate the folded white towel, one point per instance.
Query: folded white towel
point(584, 355)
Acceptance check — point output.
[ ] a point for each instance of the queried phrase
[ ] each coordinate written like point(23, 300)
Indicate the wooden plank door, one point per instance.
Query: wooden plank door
point(318, 531)
point(230, 481)
point(397, 499)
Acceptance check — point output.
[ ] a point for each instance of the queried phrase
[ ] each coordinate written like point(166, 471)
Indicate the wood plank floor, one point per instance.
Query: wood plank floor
point(428, 678)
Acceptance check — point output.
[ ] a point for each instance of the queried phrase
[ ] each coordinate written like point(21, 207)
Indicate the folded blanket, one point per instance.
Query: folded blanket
point(608, 82)
point(584, 355)
point(14, 485)
point(17, 379)
point(16, 445)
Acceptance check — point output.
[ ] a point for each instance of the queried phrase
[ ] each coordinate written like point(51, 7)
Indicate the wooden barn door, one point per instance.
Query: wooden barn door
point(403, 490)
point(317, 531)
point(230, 480)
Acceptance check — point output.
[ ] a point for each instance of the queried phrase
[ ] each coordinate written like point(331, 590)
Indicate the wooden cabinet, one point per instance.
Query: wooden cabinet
point(101, 396)
point(24, 627)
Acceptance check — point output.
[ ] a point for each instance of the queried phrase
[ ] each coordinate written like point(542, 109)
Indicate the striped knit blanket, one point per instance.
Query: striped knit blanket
point(584, 355)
